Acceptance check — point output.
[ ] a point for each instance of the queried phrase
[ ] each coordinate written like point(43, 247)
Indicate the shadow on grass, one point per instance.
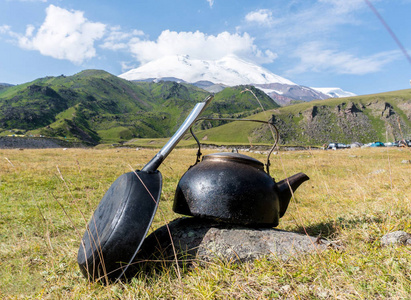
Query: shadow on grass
point(161, 254)
point(171, 249)
point(331, 228)
point(324, 229)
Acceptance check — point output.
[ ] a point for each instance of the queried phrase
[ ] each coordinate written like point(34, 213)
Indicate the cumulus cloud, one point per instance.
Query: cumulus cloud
point(200, 46)
point(210, 2)
point(262, 17)
point(316, 57)
point(64, 35)
point(69, 35)
point(118, 39)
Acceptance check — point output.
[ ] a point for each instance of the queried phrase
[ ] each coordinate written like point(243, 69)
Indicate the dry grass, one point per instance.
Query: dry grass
point(354, 197)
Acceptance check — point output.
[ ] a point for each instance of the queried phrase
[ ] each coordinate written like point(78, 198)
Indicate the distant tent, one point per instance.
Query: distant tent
point(356, 145)
point(377, 144)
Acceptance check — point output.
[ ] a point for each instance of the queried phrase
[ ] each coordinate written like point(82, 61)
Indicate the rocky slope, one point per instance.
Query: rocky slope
point(381, 117)
point(285, 94)
point(347, 122)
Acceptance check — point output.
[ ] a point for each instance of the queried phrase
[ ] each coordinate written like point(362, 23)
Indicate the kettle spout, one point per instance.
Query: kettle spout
point(287, 187)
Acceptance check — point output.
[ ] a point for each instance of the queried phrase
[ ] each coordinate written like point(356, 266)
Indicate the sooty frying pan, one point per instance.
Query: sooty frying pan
point(124, 215)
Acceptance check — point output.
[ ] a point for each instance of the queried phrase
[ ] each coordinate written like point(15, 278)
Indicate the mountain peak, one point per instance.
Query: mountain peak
point(229, 70)
point(215, 75)
point(93, 73)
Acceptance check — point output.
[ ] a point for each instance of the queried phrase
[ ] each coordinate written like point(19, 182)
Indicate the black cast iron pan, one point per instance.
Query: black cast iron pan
point(124, 215)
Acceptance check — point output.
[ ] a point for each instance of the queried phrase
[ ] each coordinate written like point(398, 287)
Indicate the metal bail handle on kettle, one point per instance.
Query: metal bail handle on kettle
point(234, 188)
point(269, 122)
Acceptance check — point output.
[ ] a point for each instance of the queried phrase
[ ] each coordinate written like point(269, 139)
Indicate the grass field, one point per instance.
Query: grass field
point(354, 197)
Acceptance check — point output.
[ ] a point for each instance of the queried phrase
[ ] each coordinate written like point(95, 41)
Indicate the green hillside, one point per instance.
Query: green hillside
point(379, 117)
point(96, 107)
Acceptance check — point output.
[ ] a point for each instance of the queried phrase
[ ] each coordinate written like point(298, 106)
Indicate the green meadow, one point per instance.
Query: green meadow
point(353, 198)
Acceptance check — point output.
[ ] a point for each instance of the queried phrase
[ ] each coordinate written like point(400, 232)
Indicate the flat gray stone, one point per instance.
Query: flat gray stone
point(205, 240)
point(396, 238)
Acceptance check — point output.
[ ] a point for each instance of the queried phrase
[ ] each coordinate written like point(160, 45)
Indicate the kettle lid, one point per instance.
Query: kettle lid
point(234, 157)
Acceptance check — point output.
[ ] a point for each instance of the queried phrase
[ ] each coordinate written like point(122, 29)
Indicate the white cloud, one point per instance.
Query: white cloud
point(311, 31)
point(315, 57)
point(4, 29)
point(126, 65)
point(119, 40)
point(262, 17)
point(64, 35)
point(298, 21)
point(199, 45)
point(210, 2)
point(346, 6)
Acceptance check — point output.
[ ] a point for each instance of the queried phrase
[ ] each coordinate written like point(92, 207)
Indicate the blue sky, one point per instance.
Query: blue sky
point(322, 43)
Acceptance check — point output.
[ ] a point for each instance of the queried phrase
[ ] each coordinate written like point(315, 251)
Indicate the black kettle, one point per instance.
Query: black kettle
point(234, 188)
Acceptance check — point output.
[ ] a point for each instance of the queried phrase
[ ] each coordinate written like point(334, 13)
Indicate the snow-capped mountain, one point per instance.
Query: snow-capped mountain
point(228, 71)
point(284, 94)
point(334, 92)
point(4, 85)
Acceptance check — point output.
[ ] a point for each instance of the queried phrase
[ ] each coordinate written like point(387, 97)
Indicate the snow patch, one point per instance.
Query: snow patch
point(334, 92)
point(268, 91)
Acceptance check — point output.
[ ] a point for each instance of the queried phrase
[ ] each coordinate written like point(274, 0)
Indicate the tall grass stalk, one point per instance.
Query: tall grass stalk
point(354, 197)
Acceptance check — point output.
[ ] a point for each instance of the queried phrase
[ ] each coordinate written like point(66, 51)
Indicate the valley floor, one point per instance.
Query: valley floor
point(353, 197)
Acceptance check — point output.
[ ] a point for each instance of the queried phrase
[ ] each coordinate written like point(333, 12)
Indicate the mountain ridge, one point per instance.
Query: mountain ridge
point(369, 118)
point(228, 71)
point(95, 107)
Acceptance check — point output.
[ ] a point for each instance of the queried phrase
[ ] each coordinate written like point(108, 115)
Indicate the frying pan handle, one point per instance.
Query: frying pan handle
point(155, 162)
